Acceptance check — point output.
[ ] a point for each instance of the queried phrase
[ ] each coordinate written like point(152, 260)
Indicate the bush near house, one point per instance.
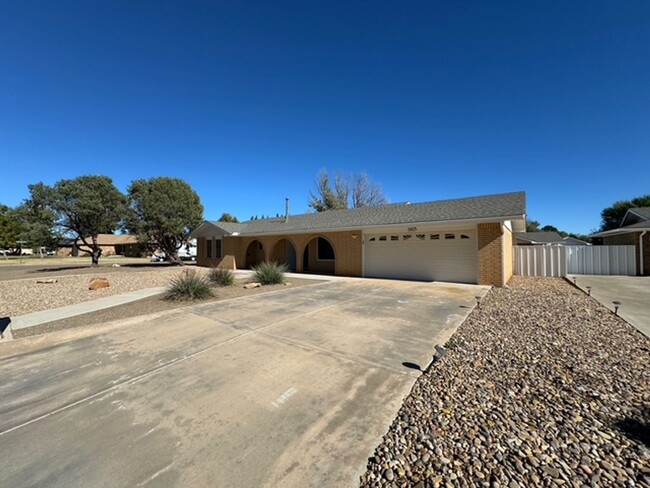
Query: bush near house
point(221, 277)
point(188, 286)
point(269, 273)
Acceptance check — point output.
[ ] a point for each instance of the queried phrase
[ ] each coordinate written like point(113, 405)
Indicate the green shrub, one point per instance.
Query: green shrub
point(188, 286)
point(221, 277)
point(269, 273)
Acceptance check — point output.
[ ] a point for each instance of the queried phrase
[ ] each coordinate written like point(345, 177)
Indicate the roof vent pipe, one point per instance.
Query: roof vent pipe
point(286, 211)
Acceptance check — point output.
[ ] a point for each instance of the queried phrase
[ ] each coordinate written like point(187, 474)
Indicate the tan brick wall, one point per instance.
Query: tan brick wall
point(490, 254)
point(201, 252)
point(633, 240)
point(507, 255)
point(347, 250)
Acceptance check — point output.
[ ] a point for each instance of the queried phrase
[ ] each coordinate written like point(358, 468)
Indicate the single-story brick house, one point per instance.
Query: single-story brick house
point(466, 240)
point(111, 244)
point(634, 230)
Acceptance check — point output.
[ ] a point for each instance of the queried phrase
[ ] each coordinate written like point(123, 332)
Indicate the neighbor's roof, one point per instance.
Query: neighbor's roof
point(541, 236)
point(638, 227)
point(504, 206)
point(643, 212)
point(572, 241)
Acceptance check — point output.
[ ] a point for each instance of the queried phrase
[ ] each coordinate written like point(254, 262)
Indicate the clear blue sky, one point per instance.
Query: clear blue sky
point(247, 101)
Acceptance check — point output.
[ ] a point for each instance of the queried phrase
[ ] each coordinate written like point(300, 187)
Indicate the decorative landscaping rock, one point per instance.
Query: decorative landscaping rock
point(98, 283)
point(47, 281)
point(252, 285)
point(543, 387)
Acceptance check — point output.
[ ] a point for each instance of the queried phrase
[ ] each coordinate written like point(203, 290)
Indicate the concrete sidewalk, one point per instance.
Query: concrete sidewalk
point(45, 316)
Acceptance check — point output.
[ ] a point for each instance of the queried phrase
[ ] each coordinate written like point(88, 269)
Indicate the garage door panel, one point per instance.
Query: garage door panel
point(434, 256)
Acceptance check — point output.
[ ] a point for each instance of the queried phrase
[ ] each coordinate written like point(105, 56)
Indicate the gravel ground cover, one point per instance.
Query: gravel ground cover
point(18, 297)
point(152, 305)
point(541, 386)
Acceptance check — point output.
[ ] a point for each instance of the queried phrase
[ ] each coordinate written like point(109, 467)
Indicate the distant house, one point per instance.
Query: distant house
point(111, 244)
point(540, 238)
point(467, 240)
point(550, 238)
point(572, 241)
point(634, 230)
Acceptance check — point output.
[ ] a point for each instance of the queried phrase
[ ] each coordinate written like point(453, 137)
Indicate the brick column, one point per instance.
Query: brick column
point(490, 254)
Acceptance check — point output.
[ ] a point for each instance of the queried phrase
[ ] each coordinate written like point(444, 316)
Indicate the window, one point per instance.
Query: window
point(208, 248)
point(463, 236)
point(382, 238)
point(325, 250)
point(420, 236)
point(217, 251)
point(406, 237)
point(450, 236)
point(434, 237)
point(394, 238)
point(372, 239)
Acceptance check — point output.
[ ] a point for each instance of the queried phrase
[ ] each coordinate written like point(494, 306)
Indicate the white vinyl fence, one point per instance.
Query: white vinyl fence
point(563, 260)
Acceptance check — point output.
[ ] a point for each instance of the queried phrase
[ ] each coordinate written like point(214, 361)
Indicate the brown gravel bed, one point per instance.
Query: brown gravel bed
point(18, 297)
point(151, 305)
point(541, 386)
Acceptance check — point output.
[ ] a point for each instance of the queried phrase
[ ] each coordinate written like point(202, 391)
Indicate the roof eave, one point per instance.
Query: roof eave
point(621, 230)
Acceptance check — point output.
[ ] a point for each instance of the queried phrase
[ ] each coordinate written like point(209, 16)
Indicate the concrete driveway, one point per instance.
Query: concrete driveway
point(290, 388)
point(632, 291)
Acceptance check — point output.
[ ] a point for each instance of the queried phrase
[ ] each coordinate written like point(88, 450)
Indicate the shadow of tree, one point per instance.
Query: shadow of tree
point(636, 428)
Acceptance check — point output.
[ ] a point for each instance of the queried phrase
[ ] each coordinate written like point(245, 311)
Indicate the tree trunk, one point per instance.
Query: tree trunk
point(97, 252)
point(175, 260)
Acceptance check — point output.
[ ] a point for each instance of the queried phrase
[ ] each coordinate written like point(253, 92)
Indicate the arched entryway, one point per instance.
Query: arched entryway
point(254, 254)
point(284, 252)
point(319, 256)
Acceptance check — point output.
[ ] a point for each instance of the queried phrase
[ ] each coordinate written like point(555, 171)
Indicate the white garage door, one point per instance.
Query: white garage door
point(431, 256)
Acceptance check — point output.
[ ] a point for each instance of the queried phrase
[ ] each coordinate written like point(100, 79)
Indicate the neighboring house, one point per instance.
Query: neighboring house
point(466, 240)
point(572, 241)
point(540, 238)
point(544, 238)
point(634, 230)
point(111, 244)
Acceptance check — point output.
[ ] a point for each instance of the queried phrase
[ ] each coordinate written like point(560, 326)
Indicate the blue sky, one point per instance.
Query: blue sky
point(247, 101)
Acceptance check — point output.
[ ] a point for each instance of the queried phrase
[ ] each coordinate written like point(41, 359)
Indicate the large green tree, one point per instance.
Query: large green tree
point(532, 226)
point(83, 208)
point(226, 217)
point(612, 217)
point(10, 228)
point(162, 213)
point(345, 192)
point(38, 224)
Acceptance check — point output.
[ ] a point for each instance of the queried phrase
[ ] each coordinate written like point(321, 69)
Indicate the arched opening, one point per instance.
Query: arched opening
point(319, 257)
point(284, 252)
point(254, 254)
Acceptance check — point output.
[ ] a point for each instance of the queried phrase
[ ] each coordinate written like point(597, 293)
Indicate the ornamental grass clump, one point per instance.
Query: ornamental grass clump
point(188, 287)
point(221, 277)
point(269, 273)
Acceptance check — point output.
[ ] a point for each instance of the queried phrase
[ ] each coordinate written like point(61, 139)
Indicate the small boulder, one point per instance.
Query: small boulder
point(47, 280)
point(98, 283)
point(252, 285)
